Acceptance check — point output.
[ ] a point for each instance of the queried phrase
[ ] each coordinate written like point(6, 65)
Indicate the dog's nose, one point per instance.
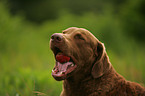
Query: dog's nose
point(56, 37)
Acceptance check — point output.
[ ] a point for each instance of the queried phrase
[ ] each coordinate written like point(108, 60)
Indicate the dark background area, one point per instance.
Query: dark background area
point(39, 11)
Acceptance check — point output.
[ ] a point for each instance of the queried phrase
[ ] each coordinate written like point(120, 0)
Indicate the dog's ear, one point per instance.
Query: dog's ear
point(102, 63)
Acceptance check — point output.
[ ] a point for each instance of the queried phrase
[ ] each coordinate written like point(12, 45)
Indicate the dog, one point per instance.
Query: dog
point(83, 65)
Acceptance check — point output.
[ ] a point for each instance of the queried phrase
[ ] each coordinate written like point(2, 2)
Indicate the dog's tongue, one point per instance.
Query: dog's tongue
point(60, 57)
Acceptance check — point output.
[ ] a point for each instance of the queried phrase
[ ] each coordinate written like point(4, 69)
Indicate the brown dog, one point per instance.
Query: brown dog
point(83, 64)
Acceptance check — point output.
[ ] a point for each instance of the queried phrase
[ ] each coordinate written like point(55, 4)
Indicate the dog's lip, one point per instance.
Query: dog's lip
point(61, 75)
point(55, 50)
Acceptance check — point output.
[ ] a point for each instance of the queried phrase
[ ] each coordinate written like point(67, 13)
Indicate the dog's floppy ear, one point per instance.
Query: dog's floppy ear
point(102, 63)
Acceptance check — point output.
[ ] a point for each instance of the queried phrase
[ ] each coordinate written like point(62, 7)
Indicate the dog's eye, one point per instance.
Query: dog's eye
point(79, 36)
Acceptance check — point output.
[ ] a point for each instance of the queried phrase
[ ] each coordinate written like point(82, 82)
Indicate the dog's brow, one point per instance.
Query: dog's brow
point(64, 32)
point(81, 32)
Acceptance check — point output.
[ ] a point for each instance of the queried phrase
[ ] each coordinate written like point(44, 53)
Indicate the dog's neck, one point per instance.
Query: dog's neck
point(79, 85)
point(74, 87)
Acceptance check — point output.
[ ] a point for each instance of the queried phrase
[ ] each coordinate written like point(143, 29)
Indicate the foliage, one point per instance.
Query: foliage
point(26, 60)
point(131, 13)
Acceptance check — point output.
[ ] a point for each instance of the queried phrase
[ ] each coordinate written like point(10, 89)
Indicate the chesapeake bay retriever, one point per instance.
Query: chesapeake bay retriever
point(83, 65)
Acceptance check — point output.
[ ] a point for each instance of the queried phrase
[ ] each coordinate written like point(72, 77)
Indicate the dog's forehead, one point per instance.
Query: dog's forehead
point(74, 30)
point(69, 30)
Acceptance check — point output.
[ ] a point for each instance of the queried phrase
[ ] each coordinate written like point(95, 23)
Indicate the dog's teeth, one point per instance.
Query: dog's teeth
point(53, 71)
point(62, 73)
point(72, 65)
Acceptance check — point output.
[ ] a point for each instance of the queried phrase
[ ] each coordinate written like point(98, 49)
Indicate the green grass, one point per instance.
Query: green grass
point(26, 60)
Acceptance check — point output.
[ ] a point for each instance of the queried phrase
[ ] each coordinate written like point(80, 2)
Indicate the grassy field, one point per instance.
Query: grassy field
point(26, 60)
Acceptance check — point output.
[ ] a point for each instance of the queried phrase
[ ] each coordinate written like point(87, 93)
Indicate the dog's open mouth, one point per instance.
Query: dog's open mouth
point(64, 65)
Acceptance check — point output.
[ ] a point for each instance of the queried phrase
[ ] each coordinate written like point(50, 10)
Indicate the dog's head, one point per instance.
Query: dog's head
point(76, 50)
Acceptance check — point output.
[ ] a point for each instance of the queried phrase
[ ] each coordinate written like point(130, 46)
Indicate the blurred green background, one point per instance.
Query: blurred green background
point(26, 26)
